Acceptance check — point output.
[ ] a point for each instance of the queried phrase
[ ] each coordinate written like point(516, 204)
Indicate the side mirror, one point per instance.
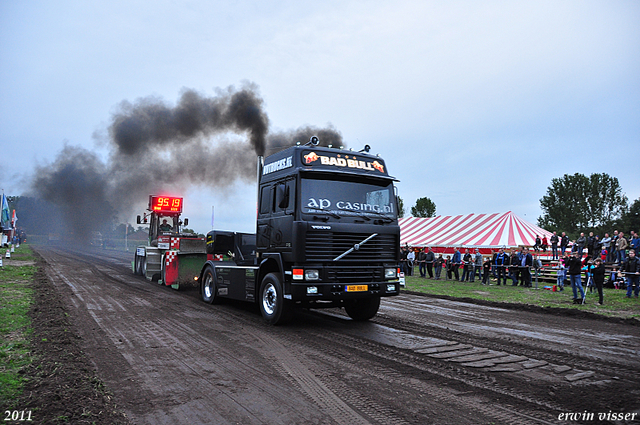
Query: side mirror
point(186, 221)
point(138, 220)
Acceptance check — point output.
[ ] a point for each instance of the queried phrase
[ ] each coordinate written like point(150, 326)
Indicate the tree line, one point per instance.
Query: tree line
point(578, 203)
point(573, 204)
point(423, 208)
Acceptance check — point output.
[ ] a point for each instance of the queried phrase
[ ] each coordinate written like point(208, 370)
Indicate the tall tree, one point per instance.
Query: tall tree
point(577, 203)
point(425, 207)
point(631, 218)
point(400, 207)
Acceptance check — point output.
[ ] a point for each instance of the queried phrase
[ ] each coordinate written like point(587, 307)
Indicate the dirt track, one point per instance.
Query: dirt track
point(171, 359)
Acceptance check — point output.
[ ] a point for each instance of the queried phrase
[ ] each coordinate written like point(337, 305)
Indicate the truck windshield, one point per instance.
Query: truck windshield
point(348, 198)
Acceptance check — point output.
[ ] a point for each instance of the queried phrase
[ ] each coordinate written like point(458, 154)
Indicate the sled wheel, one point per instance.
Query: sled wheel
point(136, 265)
point(143, 267)
point(362, 309)
point(162, 280)
point(273, 306)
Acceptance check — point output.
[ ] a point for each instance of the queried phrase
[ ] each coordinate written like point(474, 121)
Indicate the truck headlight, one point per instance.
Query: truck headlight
point(390, 273)
point(312, 290)
point(311, 274)
point(391, 287)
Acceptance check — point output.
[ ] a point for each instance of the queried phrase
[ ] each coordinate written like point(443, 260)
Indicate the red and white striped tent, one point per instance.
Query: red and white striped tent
point(470, 230)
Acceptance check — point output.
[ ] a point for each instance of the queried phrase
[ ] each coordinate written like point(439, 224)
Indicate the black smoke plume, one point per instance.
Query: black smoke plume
point(157, 148)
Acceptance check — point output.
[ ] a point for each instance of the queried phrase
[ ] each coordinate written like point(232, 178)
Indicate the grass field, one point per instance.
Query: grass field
point(615, 302)
point(16, 296)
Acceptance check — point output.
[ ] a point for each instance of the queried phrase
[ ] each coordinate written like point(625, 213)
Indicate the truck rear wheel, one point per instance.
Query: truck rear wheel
point(362, 309)
point(208, 286)
point(274, 308)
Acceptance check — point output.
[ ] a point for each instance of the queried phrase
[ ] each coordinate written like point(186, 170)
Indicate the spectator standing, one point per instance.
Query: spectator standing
point(526, 261)
point(621, 248)
point(591, 241)
point(467, 266)
point(537, 266)
point(422, 255)
point(606, 243)
point(494, 268)
point(411, 257)
point(438, 265)
point(455, 263)
point(554, 246)
point(603, 254)
point(514, 263)
point(613, 253)
point(634, 243)
point(564, 243)
point(501, 263)
point(450, 266)
point(575, 269)
point(581, 242)
point(429, 260)
point(597, 272)
point(477, 266)
point(404, 251)
point(631, 270)
point(562, 273)
point(486, 272)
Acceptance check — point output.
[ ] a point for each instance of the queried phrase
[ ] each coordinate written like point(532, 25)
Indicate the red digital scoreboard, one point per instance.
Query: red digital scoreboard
point(166, 204)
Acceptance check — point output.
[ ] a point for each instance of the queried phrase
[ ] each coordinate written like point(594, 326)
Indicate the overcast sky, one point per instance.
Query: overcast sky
point(476, 105)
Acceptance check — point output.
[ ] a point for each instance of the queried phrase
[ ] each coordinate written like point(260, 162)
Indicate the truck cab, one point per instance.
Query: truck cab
point(327, 235)
point(328, 218)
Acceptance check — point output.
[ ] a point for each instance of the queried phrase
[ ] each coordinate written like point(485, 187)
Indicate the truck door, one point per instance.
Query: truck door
point(276, 215)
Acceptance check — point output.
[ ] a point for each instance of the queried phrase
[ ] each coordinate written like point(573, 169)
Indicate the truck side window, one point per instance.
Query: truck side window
point(291, 194)
point(265, 191)
point(282, 197)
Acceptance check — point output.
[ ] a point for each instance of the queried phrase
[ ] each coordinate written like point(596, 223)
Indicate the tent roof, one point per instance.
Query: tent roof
point(475, 230)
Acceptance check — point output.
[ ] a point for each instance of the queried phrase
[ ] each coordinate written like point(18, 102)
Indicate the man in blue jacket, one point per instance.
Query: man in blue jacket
point(456, 260)
point(575, 270)
point(501, 263)
point(526, 261)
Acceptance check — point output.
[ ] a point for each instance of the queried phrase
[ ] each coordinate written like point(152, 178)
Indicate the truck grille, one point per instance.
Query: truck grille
point(354, 274)
point(325, 246)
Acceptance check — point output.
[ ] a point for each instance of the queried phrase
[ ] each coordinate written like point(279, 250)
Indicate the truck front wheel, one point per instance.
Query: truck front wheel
point(273, 306)
point(208, 286)
point(362, 309)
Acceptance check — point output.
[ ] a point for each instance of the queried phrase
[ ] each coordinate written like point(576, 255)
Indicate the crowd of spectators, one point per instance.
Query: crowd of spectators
point(589, 255)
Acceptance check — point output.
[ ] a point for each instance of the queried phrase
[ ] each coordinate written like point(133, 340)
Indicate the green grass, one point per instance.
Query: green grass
point(16, 296)
point(615, 302)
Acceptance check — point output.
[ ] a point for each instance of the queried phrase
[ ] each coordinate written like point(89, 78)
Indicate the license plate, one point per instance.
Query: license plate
point(357, 288)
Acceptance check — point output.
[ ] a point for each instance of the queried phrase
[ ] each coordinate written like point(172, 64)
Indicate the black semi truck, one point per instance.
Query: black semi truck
point(327, 236)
